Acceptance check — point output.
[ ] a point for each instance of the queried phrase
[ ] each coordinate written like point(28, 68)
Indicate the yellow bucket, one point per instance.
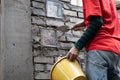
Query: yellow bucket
point(64, 69)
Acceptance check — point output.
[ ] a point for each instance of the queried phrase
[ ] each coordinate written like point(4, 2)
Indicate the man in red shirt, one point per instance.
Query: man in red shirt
point(101, 40)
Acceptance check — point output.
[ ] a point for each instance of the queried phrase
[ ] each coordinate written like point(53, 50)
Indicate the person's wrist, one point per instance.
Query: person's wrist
point(76, 48)
point(76, 45)
point(82, 24)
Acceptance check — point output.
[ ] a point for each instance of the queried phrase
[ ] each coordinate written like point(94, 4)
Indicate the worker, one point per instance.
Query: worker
point(101, 40)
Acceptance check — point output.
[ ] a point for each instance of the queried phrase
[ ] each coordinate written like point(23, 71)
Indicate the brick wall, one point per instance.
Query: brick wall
point(48, 41)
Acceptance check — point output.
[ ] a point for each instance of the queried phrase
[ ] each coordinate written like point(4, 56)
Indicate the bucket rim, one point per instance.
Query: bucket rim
point(59, 59)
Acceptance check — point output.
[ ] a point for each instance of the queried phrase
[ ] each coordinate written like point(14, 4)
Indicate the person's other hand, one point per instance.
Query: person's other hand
point(73, 53)
point(78, 26)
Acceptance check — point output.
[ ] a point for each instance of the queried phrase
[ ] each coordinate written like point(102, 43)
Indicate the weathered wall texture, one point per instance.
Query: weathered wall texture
point(48, 41)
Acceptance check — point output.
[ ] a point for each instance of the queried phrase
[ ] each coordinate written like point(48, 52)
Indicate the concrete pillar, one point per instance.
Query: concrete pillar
point(2, 41)
point(17, 57)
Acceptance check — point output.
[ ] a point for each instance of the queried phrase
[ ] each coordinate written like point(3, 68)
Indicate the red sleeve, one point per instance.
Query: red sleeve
point(91, 7)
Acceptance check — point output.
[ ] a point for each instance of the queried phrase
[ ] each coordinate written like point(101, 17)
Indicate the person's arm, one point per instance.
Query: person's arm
point(95, 24)
point(78, 26)
point(93, 27)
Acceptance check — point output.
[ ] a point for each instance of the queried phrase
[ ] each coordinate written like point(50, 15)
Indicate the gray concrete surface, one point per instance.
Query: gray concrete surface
point(18, 52)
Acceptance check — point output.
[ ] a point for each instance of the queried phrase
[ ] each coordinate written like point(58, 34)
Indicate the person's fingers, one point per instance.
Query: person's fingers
point(72, 57)
point(68, 55)
point(72, 54)
point(73, 28)
point(76, 29)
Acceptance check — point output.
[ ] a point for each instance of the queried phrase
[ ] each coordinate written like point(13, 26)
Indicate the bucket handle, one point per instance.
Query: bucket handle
point(60, 57)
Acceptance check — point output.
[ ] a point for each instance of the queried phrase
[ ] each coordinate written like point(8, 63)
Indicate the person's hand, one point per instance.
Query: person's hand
point(73, 53)
point(78, 26)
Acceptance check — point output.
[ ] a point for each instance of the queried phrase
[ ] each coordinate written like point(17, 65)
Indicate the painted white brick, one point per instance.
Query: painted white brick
point(39, 67)
point(80, 14)
point(40, 0)
point(42, 75)
point(70, 13)
point(54, 22)
point(50, 52)
point(63, 52)
point(66, 45)
point(73, 19)
point(38, 12)
point(69, 24)
point(43, 59)
point(49, 67)
point(66, 0)
point(38, 5)
point(74, 33)
point(66, 6)
point(38, 20)
point(72, 39)
point(76, 8)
